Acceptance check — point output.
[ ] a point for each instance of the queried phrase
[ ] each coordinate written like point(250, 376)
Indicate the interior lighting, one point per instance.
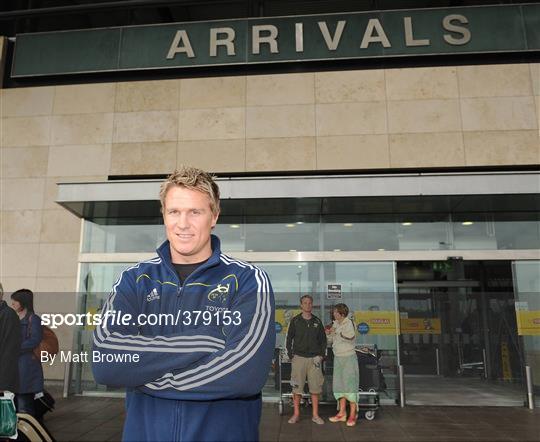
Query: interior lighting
point(406, 223)
point(290, 225)
point(348, 224)
point(467, 223)
point(234, 226)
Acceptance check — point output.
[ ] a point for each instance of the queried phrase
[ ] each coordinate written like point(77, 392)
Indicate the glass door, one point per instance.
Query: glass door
point(441, 332)
point(458, 340)
point(368, 289)
point(527, 288)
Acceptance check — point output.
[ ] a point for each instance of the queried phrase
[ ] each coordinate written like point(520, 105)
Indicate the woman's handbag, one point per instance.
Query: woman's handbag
point(48, 344)
point(8, 416)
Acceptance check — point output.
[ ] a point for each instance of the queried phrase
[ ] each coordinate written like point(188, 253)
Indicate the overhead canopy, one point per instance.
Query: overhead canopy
point(368, 194)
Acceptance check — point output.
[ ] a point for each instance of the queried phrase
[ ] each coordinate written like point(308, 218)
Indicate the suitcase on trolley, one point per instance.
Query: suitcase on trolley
point(370, 381)
point(30, 430)
point(369, 371)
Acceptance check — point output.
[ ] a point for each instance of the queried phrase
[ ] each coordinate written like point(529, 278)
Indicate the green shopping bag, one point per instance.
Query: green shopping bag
point(8, 416)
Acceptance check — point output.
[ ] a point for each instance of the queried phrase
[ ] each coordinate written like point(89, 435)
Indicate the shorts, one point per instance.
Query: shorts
point(302, 368)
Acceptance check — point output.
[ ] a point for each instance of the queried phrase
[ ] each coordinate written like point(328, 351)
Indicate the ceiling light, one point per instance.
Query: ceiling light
point(290, 225)
point(381, 250)
point(292, 250)
point(299, 222)
point(234, 226)
point(467, 223)
point(348, 224)
point(407, 223)
point(337, 250)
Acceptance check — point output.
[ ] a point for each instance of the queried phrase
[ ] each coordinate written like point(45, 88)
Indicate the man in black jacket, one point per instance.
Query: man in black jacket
point(306, 347)
point(10, 346)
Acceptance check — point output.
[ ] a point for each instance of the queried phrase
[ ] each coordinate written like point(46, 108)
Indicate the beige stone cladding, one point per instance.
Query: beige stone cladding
point(372, 119)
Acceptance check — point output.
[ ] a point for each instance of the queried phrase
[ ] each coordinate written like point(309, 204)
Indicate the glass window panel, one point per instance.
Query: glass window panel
point(474, 235)
point(352, 232)
point(527, 290)
point(423, 236)
point(282, 237)
point(366, 287)
point(96, 283)
point(517, 234)
point(122, 238)
point(348, 236)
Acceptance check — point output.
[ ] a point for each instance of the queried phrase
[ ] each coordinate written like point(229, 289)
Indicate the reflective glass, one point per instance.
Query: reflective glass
point(527, 289)
point(475, 231)
point(122, 238)
point(96, 283)
point(270, 236)
point(366, 288)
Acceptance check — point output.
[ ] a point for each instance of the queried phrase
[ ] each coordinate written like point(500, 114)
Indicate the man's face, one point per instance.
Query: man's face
point(188, 222)
point(306, 305)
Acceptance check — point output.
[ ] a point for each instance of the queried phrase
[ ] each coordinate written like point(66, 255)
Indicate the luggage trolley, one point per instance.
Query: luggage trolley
point(283, 377)
point(371, 380)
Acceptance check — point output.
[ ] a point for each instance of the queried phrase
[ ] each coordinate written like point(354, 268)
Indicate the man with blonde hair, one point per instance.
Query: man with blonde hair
point(306, 347)
point(199, 370)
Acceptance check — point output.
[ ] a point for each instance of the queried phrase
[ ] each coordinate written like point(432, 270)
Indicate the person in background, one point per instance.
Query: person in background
point(306, 347)
point(10, 346)
point(345, 381)
point(30, 370)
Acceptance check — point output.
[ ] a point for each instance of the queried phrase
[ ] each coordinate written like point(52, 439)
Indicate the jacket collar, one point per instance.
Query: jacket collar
point(164, 252)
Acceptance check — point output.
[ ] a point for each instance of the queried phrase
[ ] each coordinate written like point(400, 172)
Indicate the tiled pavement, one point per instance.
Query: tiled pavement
point(100, 419)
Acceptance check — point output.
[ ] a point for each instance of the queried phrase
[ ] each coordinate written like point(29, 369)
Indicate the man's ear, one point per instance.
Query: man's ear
point(215, 220)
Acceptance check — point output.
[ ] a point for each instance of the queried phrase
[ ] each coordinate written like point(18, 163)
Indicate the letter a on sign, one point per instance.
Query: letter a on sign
point(374, 37)
point(180, 44)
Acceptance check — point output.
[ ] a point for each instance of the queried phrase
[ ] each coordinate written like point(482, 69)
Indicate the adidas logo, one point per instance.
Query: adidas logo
point(152, 296)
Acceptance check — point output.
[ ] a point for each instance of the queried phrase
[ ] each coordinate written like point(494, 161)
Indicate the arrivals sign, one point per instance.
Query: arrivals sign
point(468, 30)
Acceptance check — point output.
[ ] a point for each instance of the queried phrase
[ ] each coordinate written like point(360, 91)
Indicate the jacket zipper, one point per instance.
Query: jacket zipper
point(180, 286)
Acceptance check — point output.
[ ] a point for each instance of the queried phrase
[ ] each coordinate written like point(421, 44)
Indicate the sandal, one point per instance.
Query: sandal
point(351, 422)
point(293, 419)
point(318, 420)
point(338, 418)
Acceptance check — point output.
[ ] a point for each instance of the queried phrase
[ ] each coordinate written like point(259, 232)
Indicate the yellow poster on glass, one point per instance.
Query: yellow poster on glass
point(376, 322)
point(283, 319)
point(425, 326)
point(528, 322)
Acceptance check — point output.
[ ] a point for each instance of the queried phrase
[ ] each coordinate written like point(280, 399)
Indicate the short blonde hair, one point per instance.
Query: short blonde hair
point(194, 179)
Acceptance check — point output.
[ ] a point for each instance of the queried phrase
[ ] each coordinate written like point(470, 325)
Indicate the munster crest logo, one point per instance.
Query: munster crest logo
point(220, 293)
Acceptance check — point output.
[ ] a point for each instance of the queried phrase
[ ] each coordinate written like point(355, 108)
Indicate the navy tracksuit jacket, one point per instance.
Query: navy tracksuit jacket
point(193, 382)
